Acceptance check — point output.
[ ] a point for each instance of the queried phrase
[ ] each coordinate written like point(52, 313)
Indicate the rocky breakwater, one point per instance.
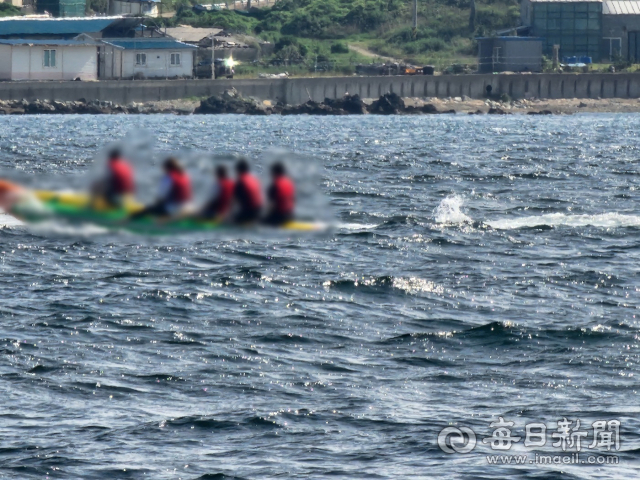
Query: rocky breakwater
point(389, 104)
point(93, 107)
point(231, 102)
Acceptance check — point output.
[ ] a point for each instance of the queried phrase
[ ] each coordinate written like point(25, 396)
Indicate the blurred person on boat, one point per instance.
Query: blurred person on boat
point(220, 203)
point(174, 193)
point(247, 194)
point(281, 196)
point(118, 185)
point(10, 194)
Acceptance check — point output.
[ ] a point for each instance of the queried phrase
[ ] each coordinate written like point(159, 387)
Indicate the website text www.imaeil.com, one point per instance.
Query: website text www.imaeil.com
point(576, 442)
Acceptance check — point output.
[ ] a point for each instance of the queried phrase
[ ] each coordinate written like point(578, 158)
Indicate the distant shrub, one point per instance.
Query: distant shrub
point(411, 49)
point(347, 69)
point(620, 64)
point(492, 18)
point(433, 45)
point(290, 50)
point(291, 41)
point(457, 69)
point(339, 48)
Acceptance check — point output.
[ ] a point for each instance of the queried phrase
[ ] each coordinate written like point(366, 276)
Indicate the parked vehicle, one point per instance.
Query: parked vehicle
point(388, 69)
point(223, 69)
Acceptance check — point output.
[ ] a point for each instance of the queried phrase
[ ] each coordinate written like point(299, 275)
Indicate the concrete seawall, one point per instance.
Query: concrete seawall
point(299, 90)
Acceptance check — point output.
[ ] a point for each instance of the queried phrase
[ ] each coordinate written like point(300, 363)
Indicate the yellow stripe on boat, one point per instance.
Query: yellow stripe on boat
point(301, 226)
point(82, 200)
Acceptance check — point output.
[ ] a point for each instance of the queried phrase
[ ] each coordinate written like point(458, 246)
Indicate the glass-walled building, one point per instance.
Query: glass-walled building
point(574, 25)
point(62, 8)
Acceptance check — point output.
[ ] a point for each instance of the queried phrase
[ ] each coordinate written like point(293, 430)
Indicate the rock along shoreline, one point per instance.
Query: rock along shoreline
point(231, 102)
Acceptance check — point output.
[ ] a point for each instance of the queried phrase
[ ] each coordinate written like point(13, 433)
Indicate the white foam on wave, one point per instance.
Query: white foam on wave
point(602, 220)
point(357, 226)
point(64, 229)
point(449, 211)
point(8, 221)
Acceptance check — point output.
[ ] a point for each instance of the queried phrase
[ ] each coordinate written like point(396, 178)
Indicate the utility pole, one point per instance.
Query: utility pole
point(213, 57)
point(556, 55)
point(414, 30)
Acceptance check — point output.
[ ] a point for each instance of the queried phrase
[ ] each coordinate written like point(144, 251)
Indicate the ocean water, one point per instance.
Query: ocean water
point(481, 267)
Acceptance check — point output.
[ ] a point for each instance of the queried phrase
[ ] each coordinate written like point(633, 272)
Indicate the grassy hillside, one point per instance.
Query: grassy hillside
point(8, 10)
point(305, 29)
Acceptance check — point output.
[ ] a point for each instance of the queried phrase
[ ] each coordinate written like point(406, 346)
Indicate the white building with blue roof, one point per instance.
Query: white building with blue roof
point(127, 58)
point(89, 49)
point(48, 59)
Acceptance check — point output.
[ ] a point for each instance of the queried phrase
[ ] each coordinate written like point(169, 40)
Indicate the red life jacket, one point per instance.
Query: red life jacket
point(225, 197)
point(252, 191)
point(121, 177)
point(180, 187)
point(284, 195)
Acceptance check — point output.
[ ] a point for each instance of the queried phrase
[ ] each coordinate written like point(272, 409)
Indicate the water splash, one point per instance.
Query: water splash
point(52, 227)
point(8, 221)
point(602, 220)
point(450, 211)
point(357, 226)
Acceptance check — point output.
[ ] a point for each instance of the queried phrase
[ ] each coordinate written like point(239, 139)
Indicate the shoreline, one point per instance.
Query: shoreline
point(232, 103)
point(544, 106)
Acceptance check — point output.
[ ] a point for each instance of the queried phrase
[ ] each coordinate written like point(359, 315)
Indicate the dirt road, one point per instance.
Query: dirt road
point(370, 54)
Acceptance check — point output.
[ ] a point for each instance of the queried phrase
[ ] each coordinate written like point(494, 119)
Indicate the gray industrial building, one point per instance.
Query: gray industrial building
point(603, 30)
point(509, 54)
point(574, 25)
point(621, 29)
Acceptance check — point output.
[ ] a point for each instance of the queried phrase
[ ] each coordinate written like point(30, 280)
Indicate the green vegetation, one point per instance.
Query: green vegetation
point(232, 20)
point(97, 6)
point(303, 30)
point(8, 10)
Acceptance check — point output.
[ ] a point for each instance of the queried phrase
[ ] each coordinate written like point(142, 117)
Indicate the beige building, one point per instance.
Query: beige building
point(48, 60)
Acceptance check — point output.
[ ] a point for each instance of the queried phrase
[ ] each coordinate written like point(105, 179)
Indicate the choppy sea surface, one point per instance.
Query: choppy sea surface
point(481, 267)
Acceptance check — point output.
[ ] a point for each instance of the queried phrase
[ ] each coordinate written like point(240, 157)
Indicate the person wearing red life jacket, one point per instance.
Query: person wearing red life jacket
point(282, 197)
point(174, 193)
point(118, 184)
point(248, 195)
point(219, 206)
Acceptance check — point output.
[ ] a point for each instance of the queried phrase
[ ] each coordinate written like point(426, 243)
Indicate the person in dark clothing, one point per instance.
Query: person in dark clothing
point(219, 206)
point(174, 193)
point(248, 195)
point(281, 195)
